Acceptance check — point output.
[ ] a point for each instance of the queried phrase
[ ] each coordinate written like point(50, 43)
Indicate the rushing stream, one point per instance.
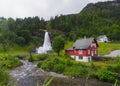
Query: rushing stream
point(24, 70)
point(20, 73)
point(29, 75)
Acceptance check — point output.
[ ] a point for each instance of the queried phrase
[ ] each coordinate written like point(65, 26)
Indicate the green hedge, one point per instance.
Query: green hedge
point(105, 74)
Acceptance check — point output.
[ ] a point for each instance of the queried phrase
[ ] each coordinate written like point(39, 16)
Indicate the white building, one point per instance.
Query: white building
point(102, 38)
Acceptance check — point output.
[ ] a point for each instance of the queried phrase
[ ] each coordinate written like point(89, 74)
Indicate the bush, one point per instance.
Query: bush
point(30, 59)
point(117, 60)
point(48, 66)
point(39, 64)
point(106, 75)
point(76, 71)
point(68, 57)
point(38, 57)
point(59, 68)
point(69, 63)
point(52, 64)
point(10, 62)
point(116, 68)
point(4, 77)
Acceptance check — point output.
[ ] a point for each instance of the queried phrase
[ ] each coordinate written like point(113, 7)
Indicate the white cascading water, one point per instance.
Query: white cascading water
point(46, 45)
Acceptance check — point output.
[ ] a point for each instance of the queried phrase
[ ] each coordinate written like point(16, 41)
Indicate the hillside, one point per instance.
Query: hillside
point(94, 20)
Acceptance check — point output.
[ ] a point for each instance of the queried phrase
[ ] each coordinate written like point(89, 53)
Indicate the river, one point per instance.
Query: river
point(29, 75)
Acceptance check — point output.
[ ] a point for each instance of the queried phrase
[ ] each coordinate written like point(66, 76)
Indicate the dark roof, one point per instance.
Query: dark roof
point(82, 44)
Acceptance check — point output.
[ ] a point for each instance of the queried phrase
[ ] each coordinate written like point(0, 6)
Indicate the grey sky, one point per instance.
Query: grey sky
point(41, 8)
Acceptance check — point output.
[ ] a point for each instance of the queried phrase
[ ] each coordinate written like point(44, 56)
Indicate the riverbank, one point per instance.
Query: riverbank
point(29, 75)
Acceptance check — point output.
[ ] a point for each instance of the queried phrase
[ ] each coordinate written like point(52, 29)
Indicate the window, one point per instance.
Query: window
point(93, 45)
point(80, 57)
point(80, 51)
point(88, 51)
point(95, 51)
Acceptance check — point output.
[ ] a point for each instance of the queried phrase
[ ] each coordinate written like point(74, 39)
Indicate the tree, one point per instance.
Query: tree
point(58, 44)
point(6, 39)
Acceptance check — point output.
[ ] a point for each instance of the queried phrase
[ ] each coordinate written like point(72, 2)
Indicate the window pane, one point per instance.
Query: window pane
point(80, 57)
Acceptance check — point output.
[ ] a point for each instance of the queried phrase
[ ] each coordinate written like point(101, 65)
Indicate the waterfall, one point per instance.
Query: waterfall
point(46, 45)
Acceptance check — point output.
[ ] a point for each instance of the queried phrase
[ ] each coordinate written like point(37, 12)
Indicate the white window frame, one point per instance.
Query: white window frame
point(80, 51)
point(88, 51)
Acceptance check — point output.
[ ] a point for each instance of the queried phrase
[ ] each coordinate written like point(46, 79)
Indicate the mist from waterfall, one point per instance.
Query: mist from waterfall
point(46, 45)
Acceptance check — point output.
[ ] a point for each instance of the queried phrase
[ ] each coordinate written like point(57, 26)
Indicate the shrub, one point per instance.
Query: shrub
point(106, 75)
point(76, 71)
point(116, 67)
point(117, 60)
point(52, 64)
point(48, 66)
point(38, 57)
point(30, 59)
point(39, 64)
point(4, 77)
point(69, 63)
point(59, 68)
point(10, 62)
point(68, 57)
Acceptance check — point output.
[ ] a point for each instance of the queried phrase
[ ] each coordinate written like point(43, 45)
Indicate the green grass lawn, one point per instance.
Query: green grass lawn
point(106, 48)
point(14, 50)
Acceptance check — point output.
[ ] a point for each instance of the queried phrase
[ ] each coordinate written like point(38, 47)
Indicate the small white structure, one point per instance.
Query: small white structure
point(102, 38)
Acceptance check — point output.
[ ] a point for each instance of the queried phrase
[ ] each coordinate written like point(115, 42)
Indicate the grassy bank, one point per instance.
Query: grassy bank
point(15, 50)
point(67, 66)
point(106, 48)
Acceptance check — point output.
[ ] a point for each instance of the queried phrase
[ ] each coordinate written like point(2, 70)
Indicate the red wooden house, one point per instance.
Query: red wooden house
point(83, 50)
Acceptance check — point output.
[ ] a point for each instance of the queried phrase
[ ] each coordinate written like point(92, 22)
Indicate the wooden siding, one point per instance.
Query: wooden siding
point(92, 50)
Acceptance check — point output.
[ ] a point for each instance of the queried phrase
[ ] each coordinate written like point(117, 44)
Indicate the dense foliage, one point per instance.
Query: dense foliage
point(21, 31)
point(58, 44)
point(4, 77)
point(107, 75)
point(9, 62)
point(65, 65)
point(94, 20)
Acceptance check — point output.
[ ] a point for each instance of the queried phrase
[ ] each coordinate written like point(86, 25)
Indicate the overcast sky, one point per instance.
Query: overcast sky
point(41, 8)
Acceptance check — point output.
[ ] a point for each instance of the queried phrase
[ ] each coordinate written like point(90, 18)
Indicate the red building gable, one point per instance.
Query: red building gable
point(83, 50)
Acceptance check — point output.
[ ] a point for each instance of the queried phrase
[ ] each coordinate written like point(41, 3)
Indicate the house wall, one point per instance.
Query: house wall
point(86, 54)
point(69, 52)
point(93, 49)
point(83, 59)
point(77, 52)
